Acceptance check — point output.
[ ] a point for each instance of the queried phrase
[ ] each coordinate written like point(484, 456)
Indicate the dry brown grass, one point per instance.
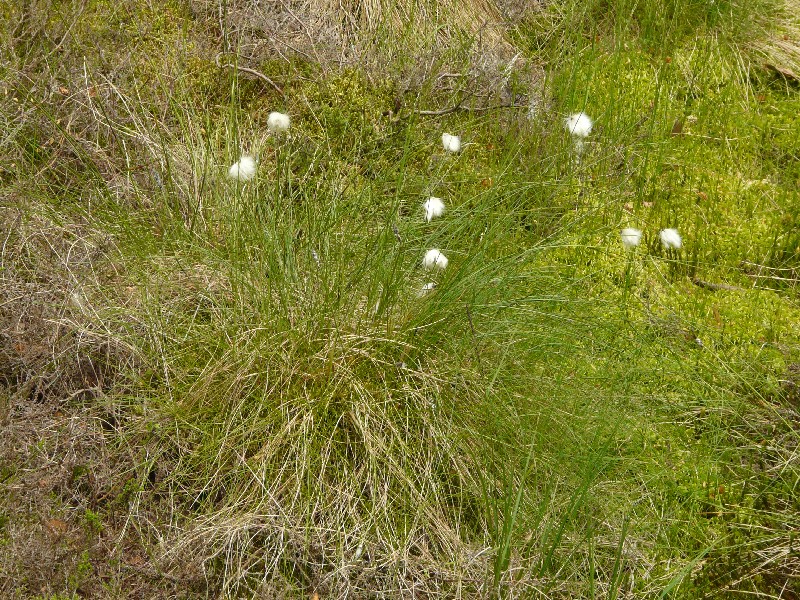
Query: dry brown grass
point(413, 43)
point(779, 49)
point(59, 362)
point(330, 32)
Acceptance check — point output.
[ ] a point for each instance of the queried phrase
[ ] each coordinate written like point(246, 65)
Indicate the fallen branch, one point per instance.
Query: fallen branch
point(248, 70)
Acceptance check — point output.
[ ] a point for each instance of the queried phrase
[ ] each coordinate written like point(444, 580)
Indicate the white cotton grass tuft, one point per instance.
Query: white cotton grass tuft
point(278, 122)
point(434, 259)
point(579, 125)
point(670, 239)
point(630, 237)
point(451, 143)
point(434, 207)
point(244, 169)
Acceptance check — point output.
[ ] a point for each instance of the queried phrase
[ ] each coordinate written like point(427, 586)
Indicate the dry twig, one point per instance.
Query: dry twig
point(258, 74)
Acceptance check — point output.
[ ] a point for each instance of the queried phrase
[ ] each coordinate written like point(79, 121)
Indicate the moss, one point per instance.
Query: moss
point(348, 106)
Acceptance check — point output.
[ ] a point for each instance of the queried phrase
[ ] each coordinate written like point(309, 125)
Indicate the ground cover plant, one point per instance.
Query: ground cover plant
point(400, 300)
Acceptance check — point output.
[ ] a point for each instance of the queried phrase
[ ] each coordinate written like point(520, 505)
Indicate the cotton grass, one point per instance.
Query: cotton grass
point(434, 259)
point(451, 143)
point(670, 239)
point(630, 237)
point(434, 207)
point(278, 122)
point(244, 169)
point(579, 125)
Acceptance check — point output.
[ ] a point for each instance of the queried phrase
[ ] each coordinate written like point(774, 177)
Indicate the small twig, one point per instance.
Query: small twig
point(460, 106)
point(397, 233)
point(717, 286)
point(248, 70)
point(445, 111)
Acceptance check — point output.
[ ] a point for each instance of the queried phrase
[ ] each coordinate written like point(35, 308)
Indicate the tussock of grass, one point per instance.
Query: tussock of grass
point(326, 397)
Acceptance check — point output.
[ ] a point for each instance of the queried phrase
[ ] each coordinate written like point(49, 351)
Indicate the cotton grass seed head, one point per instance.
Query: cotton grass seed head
point(670, 239)
point(434, 207)
point(244, 170)
point(451, 143)
point(630, 237)
point(434, 259)
point(579, 125)
point(278, 122)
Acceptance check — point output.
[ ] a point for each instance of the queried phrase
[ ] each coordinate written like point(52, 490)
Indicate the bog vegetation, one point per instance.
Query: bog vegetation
point(460, 300)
